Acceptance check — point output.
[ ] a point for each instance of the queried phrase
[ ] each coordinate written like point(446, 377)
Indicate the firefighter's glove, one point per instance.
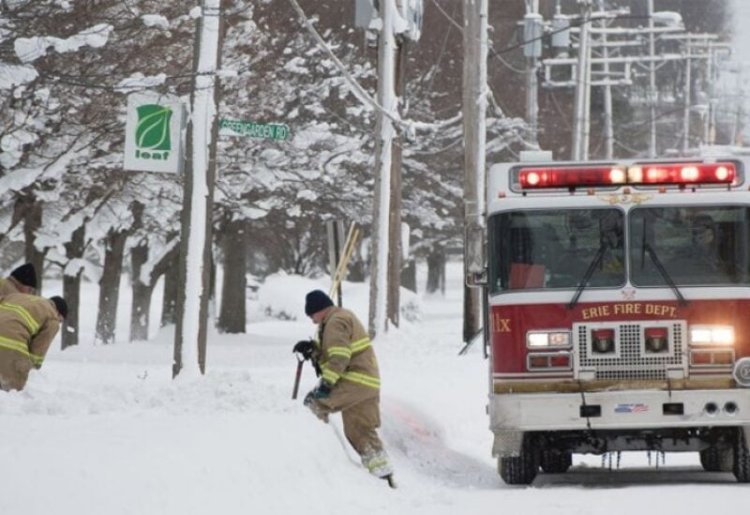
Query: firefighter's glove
point(322, 391)
point(313, 405)
point(305, 348)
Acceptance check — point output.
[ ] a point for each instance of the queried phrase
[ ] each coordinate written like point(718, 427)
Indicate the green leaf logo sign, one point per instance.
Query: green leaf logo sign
point(152, 130)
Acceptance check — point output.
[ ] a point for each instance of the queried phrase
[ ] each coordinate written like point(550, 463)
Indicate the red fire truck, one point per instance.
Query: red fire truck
point(618, 311)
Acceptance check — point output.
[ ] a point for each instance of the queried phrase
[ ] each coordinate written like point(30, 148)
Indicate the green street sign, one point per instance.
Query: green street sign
point(277, 131)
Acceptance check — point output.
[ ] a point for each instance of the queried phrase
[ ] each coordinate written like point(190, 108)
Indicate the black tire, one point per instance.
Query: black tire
point(556, 462)
point(717, 459)
point(710, 459)
point(520, 470)
point(741, 467)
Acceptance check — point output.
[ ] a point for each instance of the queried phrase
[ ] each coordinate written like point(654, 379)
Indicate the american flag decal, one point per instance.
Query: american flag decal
point(631, 408)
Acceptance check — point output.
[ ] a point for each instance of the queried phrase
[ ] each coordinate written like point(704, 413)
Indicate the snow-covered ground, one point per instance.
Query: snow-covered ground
point(105, 430)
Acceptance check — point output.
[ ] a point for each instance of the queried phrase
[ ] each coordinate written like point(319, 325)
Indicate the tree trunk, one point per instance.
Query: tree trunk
point(171, 285)
point(141, 305)
point(436, 271)
point(357, 272)
point(28, 209)
point(232, 314)
point(409, 275)
point(72, 288)
point(32, 223)
point(109, 286)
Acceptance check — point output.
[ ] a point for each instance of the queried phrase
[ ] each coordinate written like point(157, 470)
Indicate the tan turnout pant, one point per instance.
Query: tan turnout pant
point(360, 413)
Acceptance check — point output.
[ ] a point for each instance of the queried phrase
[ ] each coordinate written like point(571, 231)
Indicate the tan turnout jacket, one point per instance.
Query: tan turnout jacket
point(8, 285)
point(345, 355)
point(28, 324)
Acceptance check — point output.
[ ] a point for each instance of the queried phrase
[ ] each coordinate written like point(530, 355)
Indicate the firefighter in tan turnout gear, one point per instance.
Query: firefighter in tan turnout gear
point(21, 280)
point(349, 383)
point(28, 324)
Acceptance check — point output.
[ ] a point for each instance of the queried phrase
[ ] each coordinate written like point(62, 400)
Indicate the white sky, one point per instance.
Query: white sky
point(741, 32)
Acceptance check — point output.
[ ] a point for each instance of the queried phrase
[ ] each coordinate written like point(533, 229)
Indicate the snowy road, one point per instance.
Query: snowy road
point(105, 431)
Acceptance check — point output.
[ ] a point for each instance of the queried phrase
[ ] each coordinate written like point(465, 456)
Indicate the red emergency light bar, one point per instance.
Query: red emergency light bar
point(650, 174)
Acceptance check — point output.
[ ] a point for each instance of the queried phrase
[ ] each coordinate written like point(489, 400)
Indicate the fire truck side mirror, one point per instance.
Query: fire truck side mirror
point(477, 279)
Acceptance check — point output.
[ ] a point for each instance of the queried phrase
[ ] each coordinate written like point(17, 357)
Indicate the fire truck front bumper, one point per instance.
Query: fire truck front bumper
point(633, 409)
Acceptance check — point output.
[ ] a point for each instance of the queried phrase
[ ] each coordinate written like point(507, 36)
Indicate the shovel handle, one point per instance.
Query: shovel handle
point(297, 376)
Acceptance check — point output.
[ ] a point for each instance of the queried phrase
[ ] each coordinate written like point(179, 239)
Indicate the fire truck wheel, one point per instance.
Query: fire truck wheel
point(556, 462)
point(520, 470)
point(741, 458)
point(516, 470)
point(715, 459)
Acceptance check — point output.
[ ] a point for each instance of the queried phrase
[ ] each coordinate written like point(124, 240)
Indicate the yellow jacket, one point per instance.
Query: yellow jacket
point(344, 352)
point(28, 324)
point(8, 285)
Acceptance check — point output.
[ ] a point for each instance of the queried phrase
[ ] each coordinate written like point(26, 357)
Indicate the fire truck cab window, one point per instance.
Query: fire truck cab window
point(694, 245)
point(551, 249)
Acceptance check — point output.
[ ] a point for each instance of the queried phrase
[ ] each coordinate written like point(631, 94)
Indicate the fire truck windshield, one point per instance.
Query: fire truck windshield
point(555, 248)
point(697, 245)
point(606, 247)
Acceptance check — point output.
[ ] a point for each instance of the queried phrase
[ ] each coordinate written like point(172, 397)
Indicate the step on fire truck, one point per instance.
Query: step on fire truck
point(618, 311)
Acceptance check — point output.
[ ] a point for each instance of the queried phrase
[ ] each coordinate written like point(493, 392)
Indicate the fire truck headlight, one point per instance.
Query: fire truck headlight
point(542, 340)
point(712, 335)
point(742, 372)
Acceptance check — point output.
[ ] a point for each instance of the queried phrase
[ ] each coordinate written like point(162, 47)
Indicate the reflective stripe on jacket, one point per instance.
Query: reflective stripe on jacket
point(344, 350)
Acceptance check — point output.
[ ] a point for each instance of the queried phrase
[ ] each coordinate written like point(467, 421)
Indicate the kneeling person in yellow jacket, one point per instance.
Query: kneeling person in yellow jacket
point(28, 324)
point(350, 381)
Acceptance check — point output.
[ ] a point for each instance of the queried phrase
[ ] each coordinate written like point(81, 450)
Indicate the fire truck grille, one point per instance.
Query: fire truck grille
point(630, 360)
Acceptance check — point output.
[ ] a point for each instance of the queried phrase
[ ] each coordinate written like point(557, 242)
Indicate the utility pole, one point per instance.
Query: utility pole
point(713, 71)
point(738, 113)
point(609, 135)
point(582, 85)
point(651, 80)
point(586, 137)
point(533, 32)
point(475, 136)
point(714, 49)
point(707, 139)
point(377, 321)
point(686, 94)
point(394, 245)
point(199, 178)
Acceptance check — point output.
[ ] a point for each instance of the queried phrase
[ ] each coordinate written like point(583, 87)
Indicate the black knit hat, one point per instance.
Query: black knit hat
point(60, 305)
point(25, 274)
point(316, 301)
